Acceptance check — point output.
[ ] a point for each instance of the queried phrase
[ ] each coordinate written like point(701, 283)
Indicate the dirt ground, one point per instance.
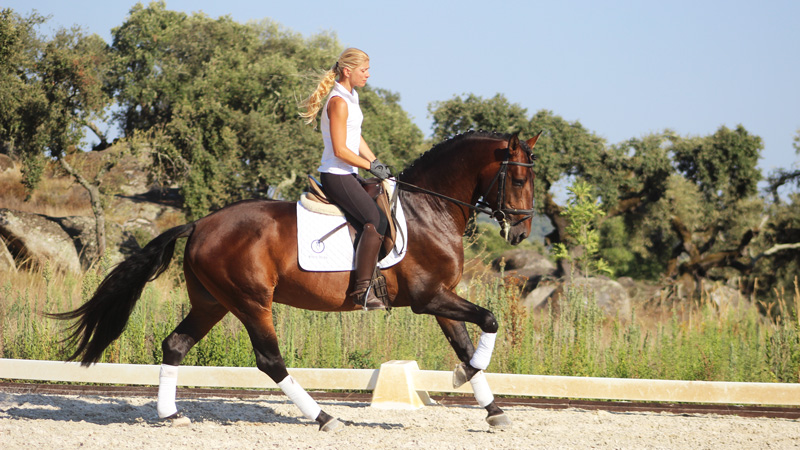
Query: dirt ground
point(116, 423)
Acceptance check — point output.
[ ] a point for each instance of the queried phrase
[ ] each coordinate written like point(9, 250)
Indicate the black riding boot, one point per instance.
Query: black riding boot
point(369, 244)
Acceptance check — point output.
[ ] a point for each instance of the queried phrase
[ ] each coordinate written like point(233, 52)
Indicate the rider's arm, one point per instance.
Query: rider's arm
point(365, 152)
point(337, 112)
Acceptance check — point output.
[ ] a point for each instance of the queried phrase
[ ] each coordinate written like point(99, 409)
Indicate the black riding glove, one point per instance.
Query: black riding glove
point(379, 169)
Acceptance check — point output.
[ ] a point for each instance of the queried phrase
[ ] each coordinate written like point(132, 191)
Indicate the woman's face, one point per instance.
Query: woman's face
point(358, 76)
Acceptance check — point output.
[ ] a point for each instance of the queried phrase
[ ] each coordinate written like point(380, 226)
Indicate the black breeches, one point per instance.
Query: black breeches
point(348, 194)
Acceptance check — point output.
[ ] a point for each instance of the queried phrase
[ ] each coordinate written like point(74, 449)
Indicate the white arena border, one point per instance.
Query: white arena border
point(402, 385)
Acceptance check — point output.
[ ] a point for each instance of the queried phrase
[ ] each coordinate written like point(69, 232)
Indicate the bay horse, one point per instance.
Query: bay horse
point(243, 258)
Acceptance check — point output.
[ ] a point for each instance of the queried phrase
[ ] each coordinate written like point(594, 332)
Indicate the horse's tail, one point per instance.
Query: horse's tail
point(103, 318)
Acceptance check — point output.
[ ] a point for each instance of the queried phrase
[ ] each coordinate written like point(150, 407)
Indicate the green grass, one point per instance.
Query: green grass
point(682, 343)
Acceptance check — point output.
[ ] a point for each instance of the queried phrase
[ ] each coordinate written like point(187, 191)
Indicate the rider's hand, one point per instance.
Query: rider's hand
point(379, 169)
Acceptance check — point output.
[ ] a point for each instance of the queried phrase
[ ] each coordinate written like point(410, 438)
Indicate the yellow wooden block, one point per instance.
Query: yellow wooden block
point(395, 387)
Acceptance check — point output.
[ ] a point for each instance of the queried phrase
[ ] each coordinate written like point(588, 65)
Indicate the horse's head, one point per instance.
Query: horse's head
point(510, 189)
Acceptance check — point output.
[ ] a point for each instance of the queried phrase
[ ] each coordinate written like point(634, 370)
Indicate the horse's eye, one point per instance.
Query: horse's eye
point(518, 183)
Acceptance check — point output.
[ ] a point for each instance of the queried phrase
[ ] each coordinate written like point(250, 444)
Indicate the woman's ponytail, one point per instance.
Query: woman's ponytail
point(311, 105)
point(350, 58)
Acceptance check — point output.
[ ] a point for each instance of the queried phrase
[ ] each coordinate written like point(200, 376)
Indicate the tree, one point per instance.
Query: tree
point(457, 115)
point(565, 151)
point(634, 175)
point(583, 212)
point(220, 100)
point(721, 168)
point(684, 207)
point(782, 177)
point(21, 98)
point(53, 89)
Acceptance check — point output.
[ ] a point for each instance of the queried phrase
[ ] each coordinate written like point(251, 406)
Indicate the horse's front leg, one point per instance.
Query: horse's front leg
point(451, 312)
point(447, 305)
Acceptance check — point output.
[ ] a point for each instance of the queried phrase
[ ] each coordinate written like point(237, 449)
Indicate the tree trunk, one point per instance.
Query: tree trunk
point(97, 206)
point(559, 234)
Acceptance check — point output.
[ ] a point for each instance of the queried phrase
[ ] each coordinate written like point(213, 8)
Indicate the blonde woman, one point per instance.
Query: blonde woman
point(345, 151)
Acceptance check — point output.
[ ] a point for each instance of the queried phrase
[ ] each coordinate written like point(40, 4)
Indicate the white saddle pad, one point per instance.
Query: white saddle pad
point(336, 252)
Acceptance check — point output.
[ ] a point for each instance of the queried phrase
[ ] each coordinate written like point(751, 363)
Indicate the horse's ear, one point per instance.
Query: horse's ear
point(513, 144)
point(532, 141)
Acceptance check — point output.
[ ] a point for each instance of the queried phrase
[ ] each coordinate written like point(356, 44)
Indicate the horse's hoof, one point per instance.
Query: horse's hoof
point(177, 420)
point(459, 375)
point(499, 421)
point(331, 426)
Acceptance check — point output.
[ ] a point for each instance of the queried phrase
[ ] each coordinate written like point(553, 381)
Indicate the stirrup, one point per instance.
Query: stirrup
point(366, 298)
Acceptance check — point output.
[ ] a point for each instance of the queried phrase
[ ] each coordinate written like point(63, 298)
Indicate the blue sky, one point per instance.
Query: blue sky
point(622, 68)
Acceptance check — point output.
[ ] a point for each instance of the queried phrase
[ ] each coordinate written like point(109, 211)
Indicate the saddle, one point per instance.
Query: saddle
point(315, 200)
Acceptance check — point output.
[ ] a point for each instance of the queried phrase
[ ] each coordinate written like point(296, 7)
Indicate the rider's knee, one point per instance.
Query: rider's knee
point(383, 223)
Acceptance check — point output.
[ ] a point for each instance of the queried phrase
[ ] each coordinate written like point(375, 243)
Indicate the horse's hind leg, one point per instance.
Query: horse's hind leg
point(259, 325)
point(205, 313)
point(456, 333)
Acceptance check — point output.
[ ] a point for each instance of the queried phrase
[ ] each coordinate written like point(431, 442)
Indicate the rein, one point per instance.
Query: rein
point(436, 194)
point(499, 213)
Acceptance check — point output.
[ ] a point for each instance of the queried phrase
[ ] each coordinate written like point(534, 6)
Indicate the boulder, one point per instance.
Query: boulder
point(6, 164)
point(537, 298)
point(526, 268)
point(33, 239)
point(526, 279)
point(610, 296)
point(724, 297)
point(81, 230)
point(639, 291)
point(7, 263)
point(129, 176)
point(530, 261)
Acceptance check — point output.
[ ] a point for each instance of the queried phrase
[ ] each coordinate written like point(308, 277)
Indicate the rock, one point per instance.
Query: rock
point(640, 292)
point(531, 261)
point(6, 163)
point(537, 299)
point(81, 230)
point(33, 239)
point(724, 296)
point(610, 296)
point(119, 242)
point(526, 279)
point(136, 210)
point(7, 263)
point(527, 268)
point(129, 174)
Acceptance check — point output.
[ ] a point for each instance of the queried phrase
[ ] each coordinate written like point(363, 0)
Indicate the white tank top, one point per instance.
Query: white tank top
point(330, 163)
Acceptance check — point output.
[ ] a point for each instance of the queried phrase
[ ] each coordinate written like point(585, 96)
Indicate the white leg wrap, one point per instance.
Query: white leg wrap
point(300, 397)
point(481, 389)
point(167, 385)
point(483, 354)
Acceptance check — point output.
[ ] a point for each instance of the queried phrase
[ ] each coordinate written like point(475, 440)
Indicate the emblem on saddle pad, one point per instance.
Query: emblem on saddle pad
point(317, 246)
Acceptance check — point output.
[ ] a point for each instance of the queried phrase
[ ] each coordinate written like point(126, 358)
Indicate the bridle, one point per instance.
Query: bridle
point(500, 212)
